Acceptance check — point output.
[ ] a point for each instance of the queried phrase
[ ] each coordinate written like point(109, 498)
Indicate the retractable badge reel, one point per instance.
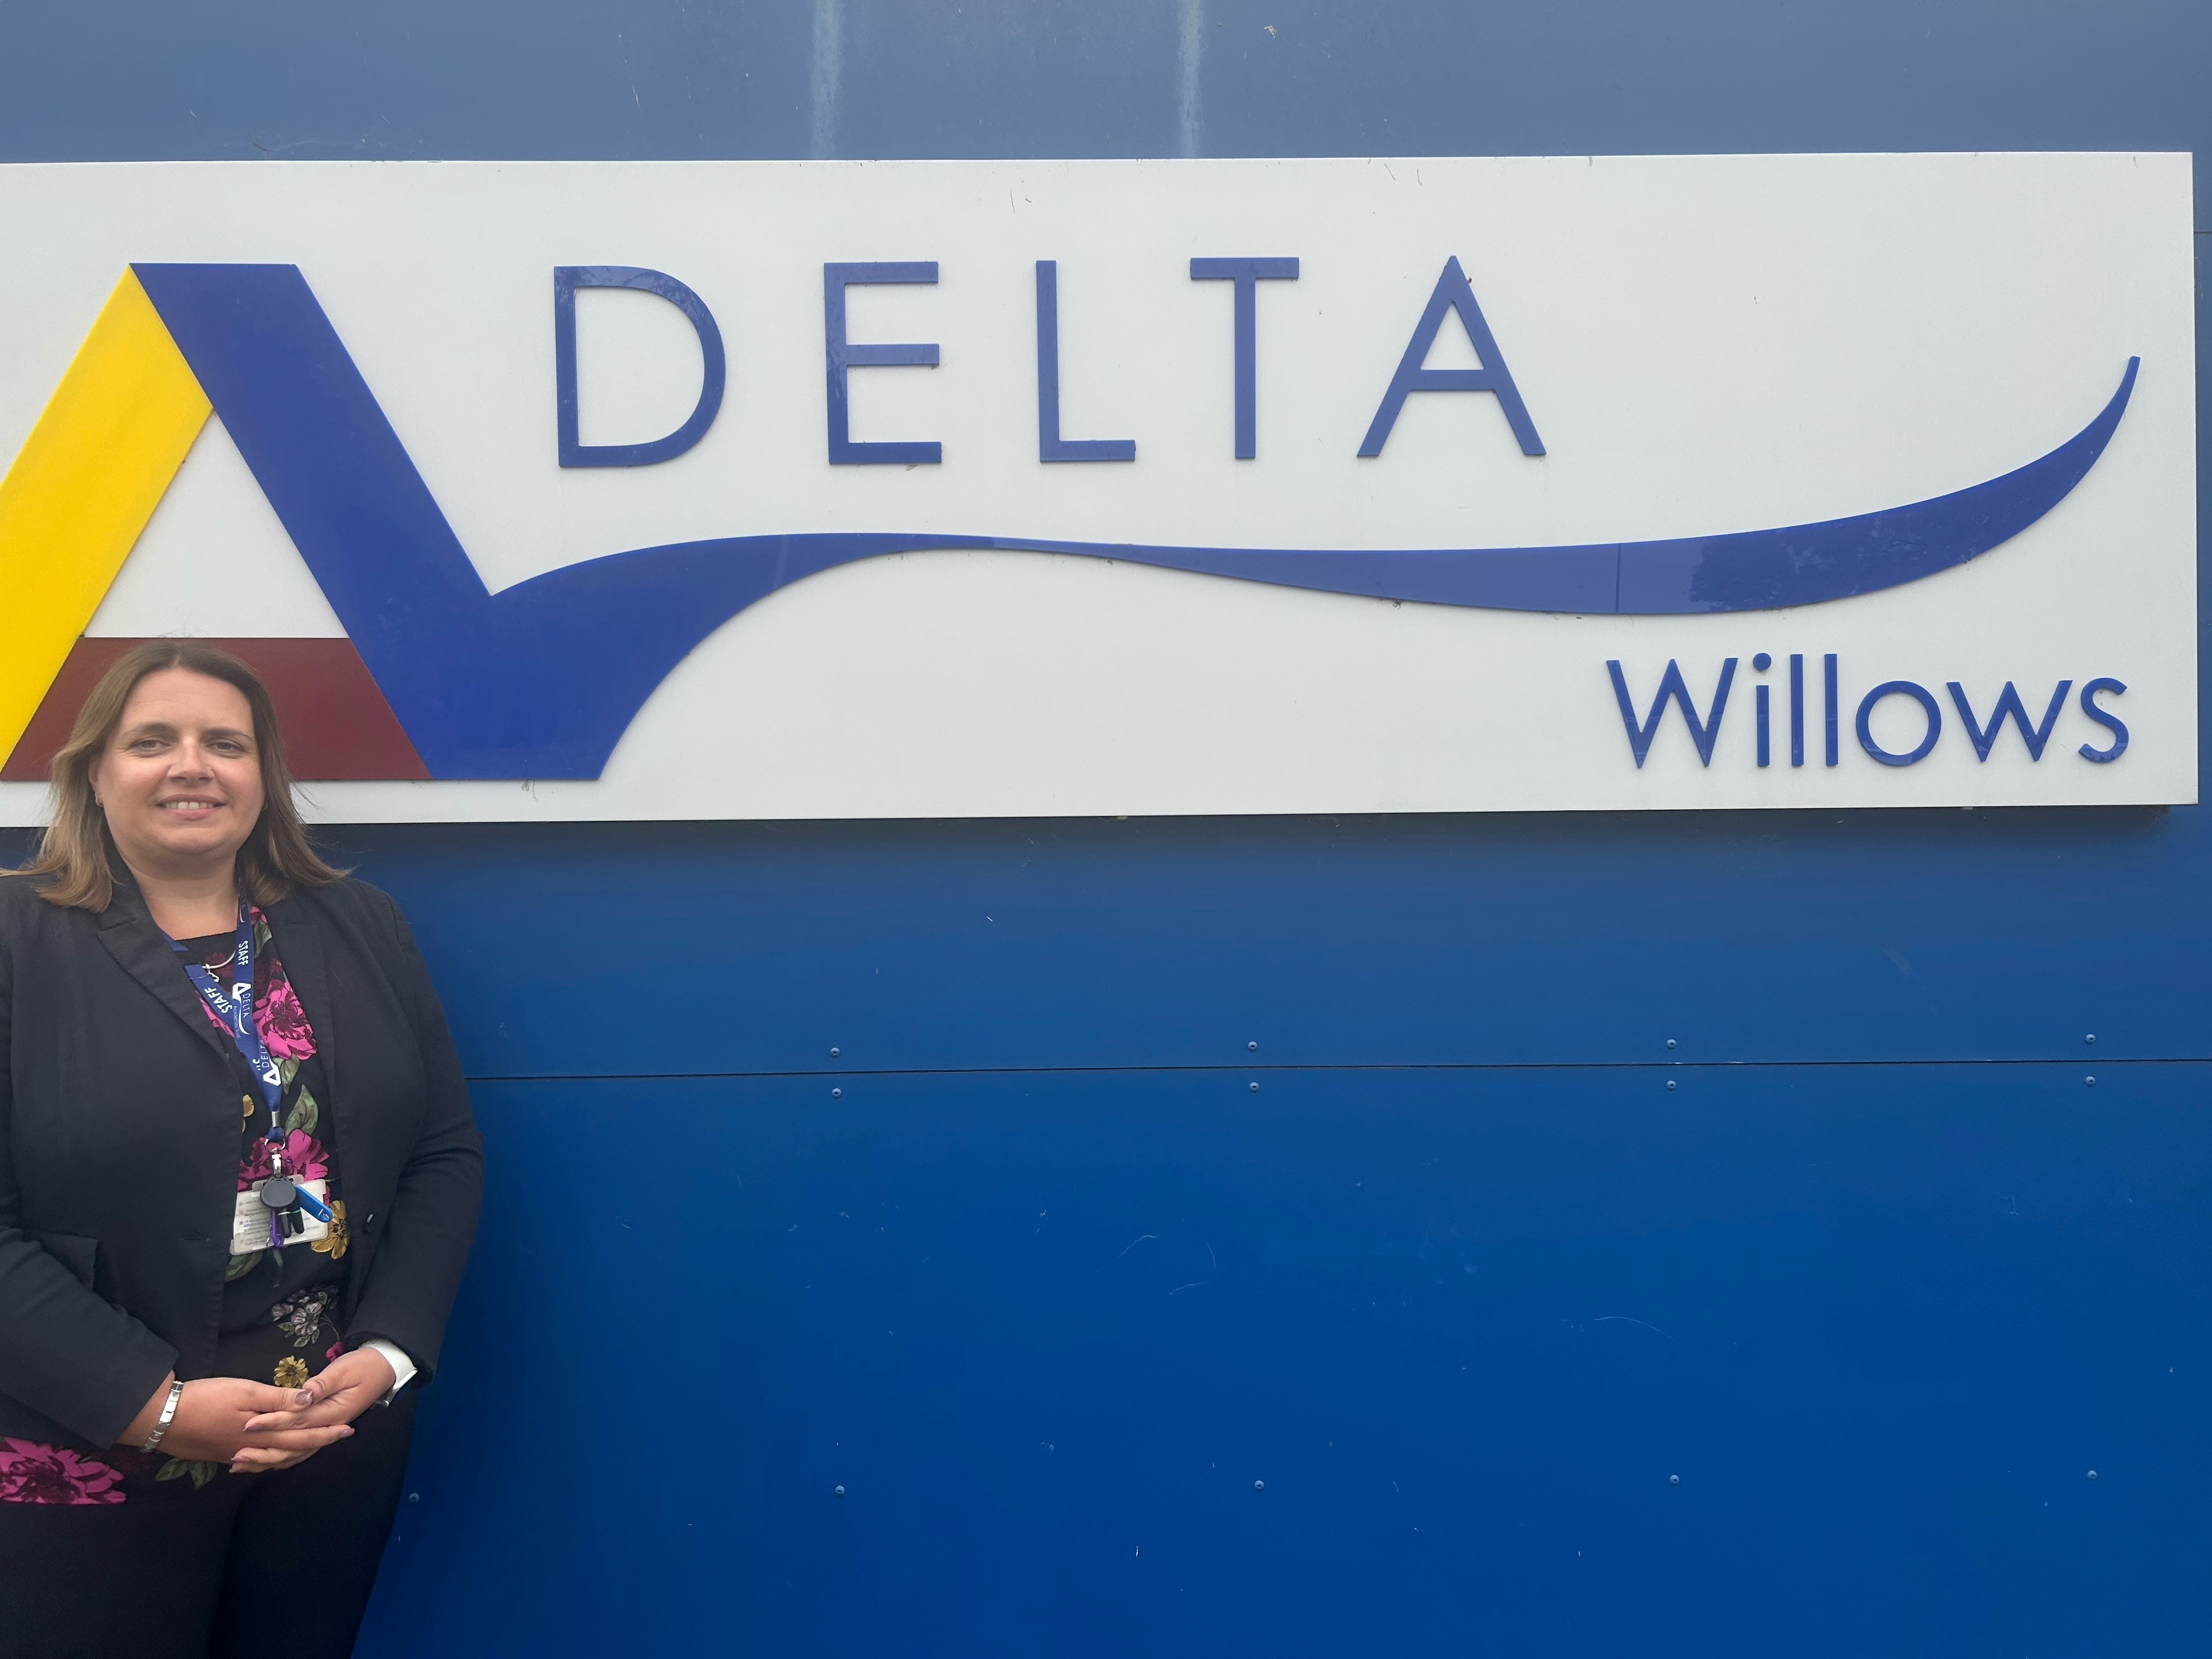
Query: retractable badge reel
point(279, 1209)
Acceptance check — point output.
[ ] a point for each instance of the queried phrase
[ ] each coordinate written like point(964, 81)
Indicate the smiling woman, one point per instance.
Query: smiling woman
point(173, 758)
point(178, 972)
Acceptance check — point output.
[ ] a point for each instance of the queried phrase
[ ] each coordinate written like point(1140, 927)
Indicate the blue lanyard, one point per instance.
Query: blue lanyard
point(233, 1007)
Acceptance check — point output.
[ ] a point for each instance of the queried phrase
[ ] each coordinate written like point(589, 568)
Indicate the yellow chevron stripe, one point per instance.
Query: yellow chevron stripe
point(87, 480)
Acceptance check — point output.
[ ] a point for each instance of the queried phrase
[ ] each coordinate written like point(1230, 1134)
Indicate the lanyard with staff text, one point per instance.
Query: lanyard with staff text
point(232, 1008)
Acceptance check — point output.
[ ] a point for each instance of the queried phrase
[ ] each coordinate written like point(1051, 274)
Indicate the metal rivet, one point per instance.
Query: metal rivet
point(1674, 1480)
point(1670, 1042)
point(841, 1492)
point(1262, 1486)
point(836, 1094)
point(2091, 1037)
point(2091, 1081)
point(836, 1052)
point(1254, 1048)
point(1670, 1083)
point(2093, 1474)
point(412, 1497)
point(1255, 1088)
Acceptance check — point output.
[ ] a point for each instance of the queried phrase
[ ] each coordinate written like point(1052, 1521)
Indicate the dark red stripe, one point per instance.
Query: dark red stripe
point(337, 725)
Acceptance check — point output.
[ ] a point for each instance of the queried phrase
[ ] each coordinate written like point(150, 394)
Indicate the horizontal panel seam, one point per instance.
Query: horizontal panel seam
point(2110, 1064)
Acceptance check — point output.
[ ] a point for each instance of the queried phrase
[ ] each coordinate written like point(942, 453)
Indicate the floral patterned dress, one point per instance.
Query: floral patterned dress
point(280, 1307)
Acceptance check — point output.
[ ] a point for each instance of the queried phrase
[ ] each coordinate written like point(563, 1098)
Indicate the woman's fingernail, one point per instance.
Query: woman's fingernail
point(306, 1397)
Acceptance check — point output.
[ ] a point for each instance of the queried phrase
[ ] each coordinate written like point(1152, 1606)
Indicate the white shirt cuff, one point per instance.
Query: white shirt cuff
point(403, 1368)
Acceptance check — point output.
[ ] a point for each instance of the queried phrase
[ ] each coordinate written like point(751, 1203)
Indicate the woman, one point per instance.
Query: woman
point(238, 1178)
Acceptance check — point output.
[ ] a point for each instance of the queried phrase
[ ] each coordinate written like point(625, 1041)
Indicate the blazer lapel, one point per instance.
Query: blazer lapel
point(300, 949)
point(139, 948)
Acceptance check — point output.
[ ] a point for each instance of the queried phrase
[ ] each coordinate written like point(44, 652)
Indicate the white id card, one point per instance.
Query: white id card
point(249, 1223)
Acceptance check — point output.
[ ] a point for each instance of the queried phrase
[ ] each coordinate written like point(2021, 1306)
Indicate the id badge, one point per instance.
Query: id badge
point(249, 1223)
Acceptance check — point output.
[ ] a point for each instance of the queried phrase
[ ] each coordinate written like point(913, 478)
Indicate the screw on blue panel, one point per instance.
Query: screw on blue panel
point(1670, 1042)
point(2093, 1474)
point(1254, 1048)
point(1674, 1480)
point(2091, 1081)
point(839, 1492)
point(1255, 1088)
point(836, 1094)
point(1670, 1085)
point(416, 1497)
point(2091, 1037)
point(1262, 1486)
point(836, 1052)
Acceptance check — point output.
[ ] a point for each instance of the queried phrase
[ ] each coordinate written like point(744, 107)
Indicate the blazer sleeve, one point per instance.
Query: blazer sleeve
point(423, 1246)
point(66, 1352)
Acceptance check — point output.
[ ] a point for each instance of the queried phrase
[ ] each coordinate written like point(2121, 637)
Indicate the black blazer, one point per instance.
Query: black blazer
point(118, 1144)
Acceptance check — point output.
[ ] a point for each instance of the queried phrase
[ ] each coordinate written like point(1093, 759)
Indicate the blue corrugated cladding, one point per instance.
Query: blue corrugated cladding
point(1404, 1350)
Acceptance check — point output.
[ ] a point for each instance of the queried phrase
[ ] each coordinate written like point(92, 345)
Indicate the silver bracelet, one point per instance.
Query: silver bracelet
point(168, 1416)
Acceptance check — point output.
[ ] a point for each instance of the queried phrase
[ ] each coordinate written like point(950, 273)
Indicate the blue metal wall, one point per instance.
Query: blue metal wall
point(1047, 1286)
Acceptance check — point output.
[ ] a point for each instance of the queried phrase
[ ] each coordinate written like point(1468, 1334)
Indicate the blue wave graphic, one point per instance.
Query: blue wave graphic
point(540, 681)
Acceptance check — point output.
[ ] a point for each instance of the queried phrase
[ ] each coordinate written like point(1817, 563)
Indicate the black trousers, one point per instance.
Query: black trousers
point(262, 1567)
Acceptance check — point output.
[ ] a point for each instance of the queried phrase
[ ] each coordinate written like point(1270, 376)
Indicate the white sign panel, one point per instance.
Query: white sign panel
point(834, 490)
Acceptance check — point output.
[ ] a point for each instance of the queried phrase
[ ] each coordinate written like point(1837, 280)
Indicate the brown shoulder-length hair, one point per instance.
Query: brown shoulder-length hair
point(72, 864)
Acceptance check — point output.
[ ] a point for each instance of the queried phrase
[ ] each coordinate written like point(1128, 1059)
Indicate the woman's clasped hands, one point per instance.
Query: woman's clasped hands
point(256, 1428)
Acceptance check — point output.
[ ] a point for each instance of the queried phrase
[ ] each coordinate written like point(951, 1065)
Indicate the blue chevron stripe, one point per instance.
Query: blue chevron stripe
point(540, 681)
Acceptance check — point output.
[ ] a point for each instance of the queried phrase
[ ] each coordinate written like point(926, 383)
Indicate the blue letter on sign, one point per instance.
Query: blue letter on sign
point(1246, 274)
point(2008, 703)
point(1702, 732)
point(1453, 294)
point(1051, 446)
point(1919, 694)
point(567, 279)
point(840, 355)
point(2110, 722)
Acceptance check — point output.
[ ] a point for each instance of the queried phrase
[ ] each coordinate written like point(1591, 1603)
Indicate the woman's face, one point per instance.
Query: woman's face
point(181, 780)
